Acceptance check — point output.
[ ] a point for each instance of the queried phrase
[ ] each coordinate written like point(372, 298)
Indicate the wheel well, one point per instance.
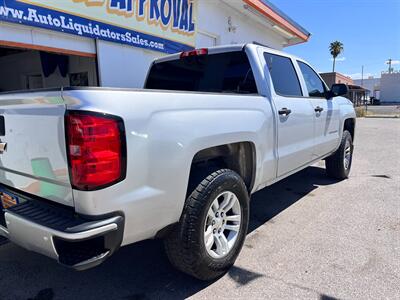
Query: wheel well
point(349, 125)
point(239, 157)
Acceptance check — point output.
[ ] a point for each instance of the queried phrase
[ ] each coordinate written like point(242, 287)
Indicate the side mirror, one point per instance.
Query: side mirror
point(338, 89)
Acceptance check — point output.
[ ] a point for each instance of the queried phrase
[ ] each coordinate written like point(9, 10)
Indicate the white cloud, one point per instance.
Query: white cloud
point(394, 62)
point(339, 58)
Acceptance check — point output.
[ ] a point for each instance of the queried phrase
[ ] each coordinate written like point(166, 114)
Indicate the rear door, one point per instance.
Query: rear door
point(34, 159)
point(326, 112)
point(294, 113)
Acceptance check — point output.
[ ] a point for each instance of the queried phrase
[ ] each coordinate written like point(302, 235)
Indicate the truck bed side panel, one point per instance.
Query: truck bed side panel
point(164, 131)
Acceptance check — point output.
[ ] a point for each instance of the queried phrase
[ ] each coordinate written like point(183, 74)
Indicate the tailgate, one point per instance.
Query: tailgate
point(34, 160)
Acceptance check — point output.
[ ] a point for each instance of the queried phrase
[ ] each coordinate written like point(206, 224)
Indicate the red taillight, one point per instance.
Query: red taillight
point(96, 150)
point(196, 52)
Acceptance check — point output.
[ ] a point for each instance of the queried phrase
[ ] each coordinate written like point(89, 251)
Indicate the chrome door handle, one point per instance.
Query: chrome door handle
point(284, 111)
point(318, 109)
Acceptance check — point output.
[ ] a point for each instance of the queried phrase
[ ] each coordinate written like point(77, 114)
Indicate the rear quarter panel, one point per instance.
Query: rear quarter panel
point(164, 131)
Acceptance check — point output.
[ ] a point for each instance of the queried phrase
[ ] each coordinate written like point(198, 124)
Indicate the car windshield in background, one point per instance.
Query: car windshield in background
point(216, 73)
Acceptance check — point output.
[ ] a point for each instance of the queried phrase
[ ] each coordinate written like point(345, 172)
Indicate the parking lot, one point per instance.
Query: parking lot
point(309, 238)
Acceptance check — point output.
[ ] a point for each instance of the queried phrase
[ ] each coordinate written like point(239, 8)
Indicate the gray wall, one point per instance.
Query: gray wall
point(372, 84)
point(390, 87)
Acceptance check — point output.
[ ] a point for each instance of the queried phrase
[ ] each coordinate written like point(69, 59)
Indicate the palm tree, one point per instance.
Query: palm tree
point(336, 48)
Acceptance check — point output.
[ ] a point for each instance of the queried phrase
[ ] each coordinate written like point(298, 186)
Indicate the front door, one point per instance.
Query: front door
point(295, 133)
point(326, 113)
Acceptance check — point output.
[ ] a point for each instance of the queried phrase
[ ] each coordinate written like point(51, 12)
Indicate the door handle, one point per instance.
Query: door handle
point(284, 111)
point(318, 109)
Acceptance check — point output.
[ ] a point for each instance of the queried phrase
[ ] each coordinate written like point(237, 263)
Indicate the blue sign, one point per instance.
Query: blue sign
point(161, 25)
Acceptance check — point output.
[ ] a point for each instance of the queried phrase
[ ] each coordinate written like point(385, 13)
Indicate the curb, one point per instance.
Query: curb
point(383, 117)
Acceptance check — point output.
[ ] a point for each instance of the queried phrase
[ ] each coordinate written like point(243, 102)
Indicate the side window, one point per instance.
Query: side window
point(315, 86)
point(283, 74)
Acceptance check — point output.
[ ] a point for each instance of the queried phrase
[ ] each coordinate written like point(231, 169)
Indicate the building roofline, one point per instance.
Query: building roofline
point(337, 74)
point(285, 16)
point(270, 11)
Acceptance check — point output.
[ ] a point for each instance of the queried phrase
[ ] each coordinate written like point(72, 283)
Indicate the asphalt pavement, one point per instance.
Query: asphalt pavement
point(310, 238)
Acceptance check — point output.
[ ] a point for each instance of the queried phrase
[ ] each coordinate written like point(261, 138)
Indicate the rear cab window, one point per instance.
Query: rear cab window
point(283, 75)
point(228, 72)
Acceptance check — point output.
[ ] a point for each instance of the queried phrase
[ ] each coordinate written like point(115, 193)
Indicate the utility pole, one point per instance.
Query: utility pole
point(364, 98)
point(362, 75)
point(389, 62)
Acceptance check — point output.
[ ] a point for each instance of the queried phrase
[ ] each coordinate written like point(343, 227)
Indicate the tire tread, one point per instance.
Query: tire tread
point(334, 163)
point(180, 245)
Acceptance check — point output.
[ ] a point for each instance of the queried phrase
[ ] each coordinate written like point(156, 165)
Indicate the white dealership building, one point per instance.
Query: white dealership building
point(48, 43)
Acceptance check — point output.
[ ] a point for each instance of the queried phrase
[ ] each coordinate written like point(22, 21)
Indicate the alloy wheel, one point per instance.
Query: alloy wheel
point(222, 225)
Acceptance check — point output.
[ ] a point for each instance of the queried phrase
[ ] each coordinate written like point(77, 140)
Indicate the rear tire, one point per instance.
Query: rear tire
point(217, 207)
point(338, 165)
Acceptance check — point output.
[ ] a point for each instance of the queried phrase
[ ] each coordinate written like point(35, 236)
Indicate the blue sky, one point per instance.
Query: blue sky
point(369, 30)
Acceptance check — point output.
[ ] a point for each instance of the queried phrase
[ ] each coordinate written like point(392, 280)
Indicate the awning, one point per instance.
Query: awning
point(282, 22)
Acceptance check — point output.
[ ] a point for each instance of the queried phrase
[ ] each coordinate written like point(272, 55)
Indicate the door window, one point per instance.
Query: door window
point(315, 86)
point(283, 74)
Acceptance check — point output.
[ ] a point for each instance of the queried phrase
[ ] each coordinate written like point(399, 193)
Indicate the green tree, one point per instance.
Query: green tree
point(335, 48)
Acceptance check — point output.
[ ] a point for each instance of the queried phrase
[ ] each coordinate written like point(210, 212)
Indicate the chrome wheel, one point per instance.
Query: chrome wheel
point(347, 155)
point(222, 225)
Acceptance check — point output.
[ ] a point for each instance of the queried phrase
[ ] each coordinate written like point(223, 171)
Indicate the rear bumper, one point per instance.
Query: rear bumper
point(60, 234)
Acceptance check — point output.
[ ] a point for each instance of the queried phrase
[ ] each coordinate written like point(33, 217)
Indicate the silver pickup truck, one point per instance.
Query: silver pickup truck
point(84, 171)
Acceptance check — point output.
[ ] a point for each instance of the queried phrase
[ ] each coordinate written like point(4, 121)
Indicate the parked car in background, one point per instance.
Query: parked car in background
point(375, 101)
point(84, 171)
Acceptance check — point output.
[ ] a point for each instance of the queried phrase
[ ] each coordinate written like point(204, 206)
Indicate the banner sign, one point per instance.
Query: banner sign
point(167, 26)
